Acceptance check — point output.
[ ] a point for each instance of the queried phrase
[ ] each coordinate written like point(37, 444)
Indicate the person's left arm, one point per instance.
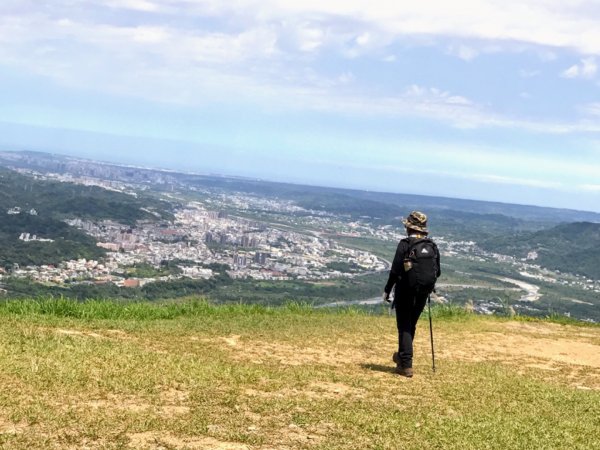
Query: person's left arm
point(395, 271)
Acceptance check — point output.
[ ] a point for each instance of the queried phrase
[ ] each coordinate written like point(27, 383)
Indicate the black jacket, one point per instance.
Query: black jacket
point(397, 270)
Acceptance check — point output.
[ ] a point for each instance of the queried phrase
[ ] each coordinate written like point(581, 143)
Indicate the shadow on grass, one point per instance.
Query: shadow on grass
point(377, 368)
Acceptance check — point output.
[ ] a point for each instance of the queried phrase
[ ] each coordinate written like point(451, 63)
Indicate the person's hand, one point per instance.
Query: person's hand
point(386, 297)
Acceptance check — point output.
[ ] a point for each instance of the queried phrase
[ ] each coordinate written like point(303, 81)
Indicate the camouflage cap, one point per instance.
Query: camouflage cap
point(416, 221)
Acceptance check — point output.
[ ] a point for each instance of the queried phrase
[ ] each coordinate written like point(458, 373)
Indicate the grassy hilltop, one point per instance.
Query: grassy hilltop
point(189, 375)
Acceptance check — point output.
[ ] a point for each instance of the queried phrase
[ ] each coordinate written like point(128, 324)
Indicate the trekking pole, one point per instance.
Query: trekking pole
point(431, 335)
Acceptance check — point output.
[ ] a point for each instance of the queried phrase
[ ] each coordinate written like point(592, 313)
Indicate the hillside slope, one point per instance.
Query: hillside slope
point(569, 247)
point(193, 376)
point(37, 207)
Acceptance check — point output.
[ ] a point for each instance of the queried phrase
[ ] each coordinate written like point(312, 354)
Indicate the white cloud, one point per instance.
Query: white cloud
point(430, 103)
point(149, 35)
point(262, 51)
point(590, 187)
point(592, 109)
point(310, 37)
point(515, 181)
point(363, 39)
point(546, 55)
point(137, 5)
point(435, 95)
point(346, 78)
point(586, 69)
point(553, 23)
point(463, 52)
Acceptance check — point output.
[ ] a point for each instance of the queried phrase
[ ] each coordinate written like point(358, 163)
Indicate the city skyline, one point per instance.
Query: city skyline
point(471, 100)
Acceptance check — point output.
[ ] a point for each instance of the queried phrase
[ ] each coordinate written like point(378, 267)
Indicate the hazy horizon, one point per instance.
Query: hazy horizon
point(184, 170)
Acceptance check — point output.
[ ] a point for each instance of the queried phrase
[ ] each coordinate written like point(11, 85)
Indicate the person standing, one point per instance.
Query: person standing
point(414, 271)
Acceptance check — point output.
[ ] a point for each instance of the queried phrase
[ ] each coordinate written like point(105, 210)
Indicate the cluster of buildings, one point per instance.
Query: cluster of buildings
point(199, 237)
point(27, 237)
point(16, 210)
point(67, 272)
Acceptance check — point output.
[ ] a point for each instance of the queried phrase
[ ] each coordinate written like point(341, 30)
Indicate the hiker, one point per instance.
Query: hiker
point(415, 269)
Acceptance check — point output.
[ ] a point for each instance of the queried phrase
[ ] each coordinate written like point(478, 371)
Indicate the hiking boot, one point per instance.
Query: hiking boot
point(404, 371)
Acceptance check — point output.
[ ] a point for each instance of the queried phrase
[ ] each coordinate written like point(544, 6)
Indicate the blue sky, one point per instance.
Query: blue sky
point(474, 99)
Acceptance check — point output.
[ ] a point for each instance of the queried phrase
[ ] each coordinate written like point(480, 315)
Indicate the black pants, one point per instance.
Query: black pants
point(409, 306)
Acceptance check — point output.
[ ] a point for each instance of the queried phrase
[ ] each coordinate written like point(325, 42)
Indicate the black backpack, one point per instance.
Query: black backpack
point(420, 265)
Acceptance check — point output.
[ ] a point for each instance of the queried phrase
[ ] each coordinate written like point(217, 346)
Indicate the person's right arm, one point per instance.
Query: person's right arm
point(437, 260)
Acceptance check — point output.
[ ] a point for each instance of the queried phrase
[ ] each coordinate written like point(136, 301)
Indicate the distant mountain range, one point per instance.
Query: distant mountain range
point(346, 201)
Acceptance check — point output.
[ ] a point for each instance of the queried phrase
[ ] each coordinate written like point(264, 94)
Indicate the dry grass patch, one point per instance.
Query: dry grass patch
point(8, 427)
point(166, 441)
point(565, 353)
point(256, 380)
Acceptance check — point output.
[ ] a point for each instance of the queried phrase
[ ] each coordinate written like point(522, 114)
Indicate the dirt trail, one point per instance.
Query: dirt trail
point(550, 342)
point(543, 347)
point(574, 352)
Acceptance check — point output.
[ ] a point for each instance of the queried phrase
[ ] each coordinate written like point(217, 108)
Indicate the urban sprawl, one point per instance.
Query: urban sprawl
point(290, 243)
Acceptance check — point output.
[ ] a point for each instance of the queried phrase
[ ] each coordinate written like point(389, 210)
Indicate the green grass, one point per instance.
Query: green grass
point(148, 311)
point(189, 374)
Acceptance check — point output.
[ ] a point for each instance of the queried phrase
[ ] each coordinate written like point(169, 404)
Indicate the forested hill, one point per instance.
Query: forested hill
point(72, 200)
point(38, 207)
point(570, 247)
